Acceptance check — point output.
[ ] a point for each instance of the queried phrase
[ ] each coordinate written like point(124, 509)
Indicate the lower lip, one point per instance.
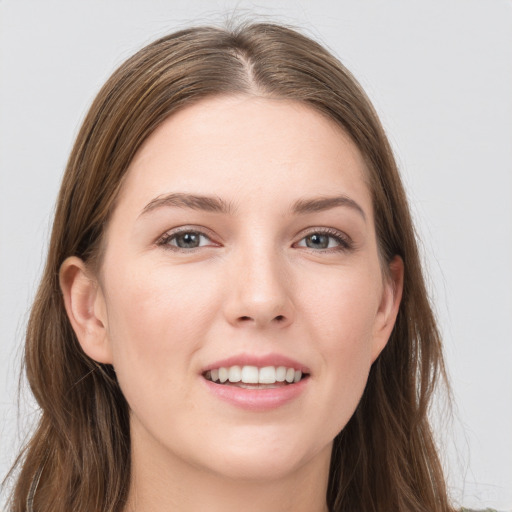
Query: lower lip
point(257, 399)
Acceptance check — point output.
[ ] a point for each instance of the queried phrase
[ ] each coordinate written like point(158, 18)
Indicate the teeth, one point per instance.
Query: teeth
point(223, 375)
point(254, 375)
point(235, 374)
point(267, 375)
point(250, 375)
point(281, 373)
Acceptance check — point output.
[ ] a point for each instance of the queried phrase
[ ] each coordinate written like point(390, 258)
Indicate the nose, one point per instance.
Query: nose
point(259, 292)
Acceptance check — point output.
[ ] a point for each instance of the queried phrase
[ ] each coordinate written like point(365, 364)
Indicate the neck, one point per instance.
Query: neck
point(162, 481)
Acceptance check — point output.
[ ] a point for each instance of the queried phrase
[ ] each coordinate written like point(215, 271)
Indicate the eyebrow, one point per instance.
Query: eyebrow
point(218, 205)
point(305, 206)
point(192, 201)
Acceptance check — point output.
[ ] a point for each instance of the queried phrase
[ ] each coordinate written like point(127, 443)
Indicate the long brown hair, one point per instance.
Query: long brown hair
point(78, 459)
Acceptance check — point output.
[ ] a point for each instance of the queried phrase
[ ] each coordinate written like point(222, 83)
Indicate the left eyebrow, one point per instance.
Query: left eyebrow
point(304, 206)
point(192, 201)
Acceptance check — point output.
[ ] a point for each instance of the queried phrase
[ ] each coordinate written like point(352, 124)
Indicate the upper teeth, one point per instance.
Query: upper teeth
point(254, 375)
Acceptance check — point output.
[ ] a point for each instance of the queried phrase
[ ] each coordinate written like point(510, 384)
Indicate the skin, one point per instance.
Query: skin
point(160, 314)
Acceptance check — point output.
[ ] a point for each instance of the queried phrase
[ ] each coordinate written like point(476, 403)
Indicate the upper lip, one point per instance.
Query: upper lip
point(257, 360)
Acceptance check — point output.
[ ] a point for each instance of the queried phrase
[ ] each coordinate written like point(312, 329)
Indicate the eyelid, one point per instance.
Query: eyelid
point(162, 240)
point(345, 241)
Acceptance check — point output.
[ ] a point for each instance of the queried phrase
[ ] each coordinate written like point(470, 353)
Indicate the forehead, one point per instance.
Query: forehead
point(245, 148)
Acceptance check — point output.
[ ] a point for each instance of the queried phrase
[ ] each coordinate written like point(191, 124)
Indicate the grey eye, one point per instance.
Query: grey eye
point(323, 240)
point(317, 241)
point(189, 240)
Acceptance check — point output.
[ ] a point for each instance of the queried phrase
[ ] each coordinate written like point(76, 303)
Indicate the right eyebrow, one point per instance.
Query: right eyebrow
point(192, 201)
point(304, 206)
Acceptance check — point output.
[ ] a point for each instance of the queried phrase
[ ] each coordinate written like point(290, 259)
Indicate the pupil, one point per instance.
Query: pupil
point(187, 240)
point(317, 241)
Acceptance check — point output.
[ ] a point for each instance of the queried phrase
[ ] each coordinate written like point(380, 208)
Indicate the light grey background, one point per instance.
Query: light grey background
point(440, 75)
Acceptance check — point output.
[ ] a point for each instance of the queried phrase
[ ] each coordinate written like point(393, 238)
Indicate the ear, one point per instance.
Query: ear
point(389, 305)
point(85, 306)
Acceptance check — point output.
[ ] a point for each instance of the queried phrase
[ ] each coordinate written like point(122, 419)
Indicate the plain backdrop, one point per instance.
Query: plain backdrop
point(440, 75)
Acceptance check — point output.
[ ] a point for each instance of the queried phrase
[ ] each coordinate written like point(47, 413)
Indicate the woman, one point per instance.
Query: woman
point(233, 301)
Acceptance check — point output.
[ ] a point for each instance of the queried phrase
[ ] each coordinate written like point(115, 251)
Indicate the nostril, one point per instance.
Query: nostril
point(279, 319)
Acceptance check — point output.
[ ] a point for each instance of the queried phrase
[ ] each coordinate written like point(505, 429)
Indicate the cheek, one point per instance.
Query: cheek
point(157, 319)
point(343, 307)
point(341, 319)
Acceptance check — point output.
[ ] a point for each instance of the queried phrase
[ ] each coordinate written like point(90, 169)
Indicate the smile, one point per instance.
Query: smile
point(257, 383)
point(253, 377)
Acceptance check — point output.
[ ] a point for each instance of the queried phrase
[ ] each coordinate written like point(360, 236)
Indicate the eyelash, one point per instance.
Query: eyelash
point(344, 242)
point(166, 238)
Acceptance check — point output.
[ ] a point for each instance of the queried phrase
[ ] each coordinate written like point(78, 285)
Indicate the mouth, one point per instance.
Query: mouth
point(257, 383)
point(254, 377)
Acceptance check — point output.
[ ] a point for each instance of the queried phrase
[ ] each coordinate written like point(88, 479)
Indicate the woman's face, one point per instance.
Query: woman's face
point(243, 243)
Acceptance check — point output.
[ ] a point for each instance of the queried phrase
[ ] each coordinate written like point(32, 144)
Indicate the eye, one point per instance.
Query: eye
point(324, 240)
point(184, 240)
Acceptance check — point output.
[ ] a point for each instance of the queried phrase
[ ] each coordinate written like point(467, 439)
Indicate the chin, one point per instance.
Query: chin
point(265, 460)
point(258, 469)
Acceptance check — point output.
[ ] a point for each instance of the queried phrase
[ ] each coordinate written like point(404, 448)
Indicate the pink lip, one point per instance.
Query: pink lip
point(259, 361)
point(257, 399)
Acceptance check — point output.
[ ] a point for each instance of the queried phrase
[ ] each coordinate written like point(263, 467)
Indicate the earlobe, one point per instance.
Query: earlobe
point(85, 307)
point(389, 306)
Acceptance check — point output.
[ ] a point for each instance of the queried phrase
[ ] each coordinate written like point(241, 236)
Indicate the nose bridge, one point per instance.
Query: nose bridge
point(259, 286)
